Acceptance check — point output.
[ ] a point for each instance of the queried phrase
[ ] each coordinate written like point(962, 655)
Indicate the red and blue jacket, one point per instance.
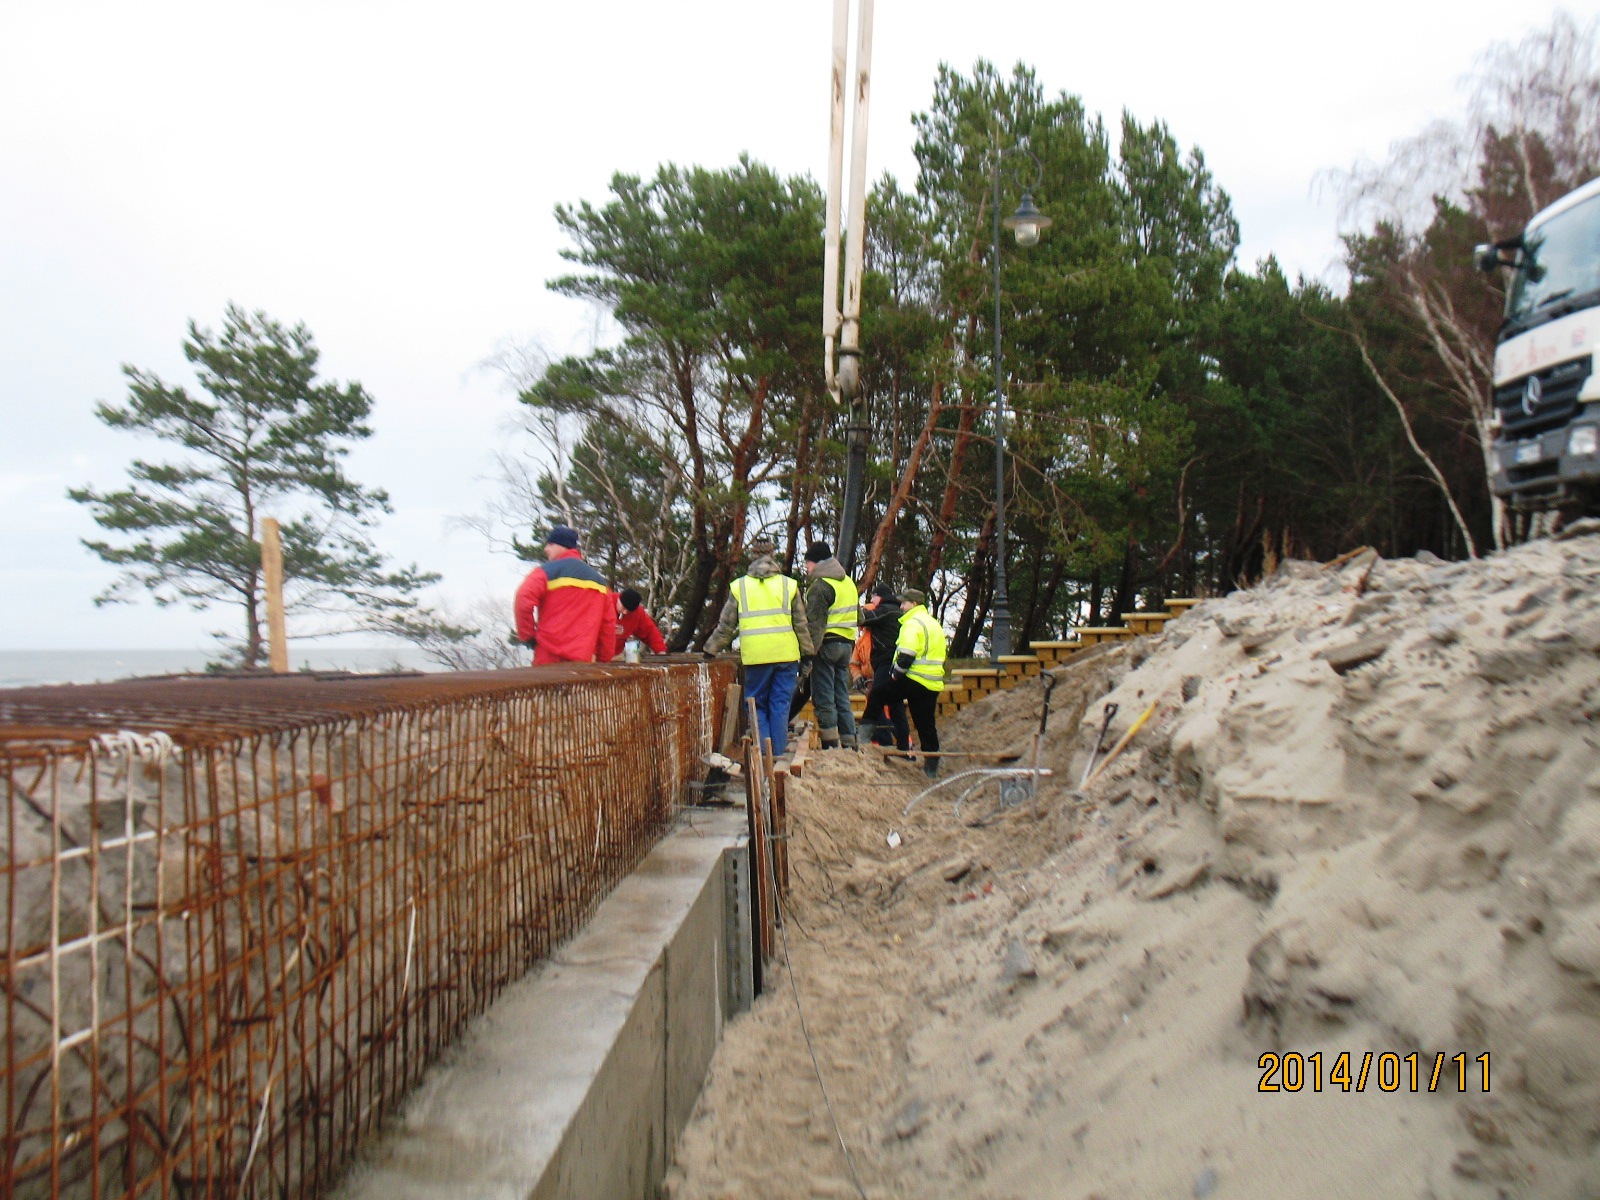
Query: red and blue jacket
point(567, 608)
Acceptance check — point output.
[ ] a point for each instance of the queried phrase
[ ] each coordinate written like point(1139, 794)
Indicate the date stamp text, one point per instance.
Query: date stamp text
point(1357, 1070)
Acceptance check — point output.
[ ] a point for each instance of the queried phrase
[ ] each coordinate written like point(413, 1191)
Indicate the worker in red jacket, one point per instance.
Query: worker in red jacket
point(635, 623)
point(564, 609)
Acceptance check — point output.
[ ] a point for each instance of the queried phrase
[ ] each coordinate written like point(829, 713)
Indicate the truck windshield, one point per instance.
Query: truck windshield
point(1561, 258)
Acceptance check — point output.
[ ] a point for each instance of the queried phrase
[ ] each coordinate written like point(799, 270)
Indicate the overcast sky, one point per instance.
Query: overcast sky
point(385, 173)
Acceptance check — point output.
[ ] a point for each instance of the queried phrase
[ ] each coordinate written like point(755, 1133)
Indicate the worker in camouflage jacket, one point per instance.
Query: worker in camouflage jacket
point(832, 610)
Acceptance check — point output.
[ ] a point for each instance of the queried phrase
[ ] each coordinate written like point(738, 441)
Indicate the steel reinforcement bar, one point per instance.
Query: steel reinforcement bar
point(241, 916)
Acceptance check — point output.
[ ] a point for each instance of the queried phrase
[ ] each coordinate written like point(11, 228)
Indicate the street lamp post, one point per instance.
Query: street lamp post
point(1026, 223)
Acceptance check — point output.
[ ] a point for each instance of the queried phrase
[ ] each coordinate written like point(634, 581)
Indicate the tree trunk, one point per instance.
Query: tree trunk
point(902, 491)
point(1245, 542)
point(694, 607)
point(252, 624)
point(947, 504)
point(980, 592)
point(1127, 581)
point(802, 488)
point(974, 613)
point(1046, 604)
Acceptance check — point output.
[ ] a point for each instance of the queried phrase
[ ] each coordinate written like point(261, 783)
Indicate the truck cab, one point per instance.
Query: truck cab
point(1545, 428)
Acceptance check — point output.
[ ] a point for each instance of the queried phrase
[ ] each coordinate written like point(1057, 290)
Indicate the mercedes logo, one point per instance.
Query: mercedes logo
point(1532, 393)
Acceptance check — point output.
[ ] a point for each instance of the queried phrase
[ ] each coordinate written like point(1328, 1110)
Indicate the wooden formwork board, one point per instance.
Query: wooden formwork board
point(780, 831)
point(760, 787)
point(731, 709)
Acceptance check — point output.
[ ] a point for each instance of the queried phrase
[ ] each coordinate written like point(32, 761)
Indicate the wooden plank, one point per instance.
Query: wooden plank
point(730, 717)
point(272, 584)
point(797, 759)
point(758, 781)
point(975, 755)
point(780, 832)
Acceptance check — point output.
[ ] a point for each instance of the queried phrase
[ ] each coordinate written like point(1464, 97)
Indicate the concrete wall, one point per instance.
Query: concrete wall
point(576, 1083)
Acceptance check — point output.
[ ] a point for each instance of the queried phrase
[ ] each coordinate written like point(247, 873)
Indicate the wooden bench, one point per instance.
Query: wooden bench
point(1018, 667)
point(1052, 654)
point(1093, 635)
point(1178, 607)
point(979, 681)
point(1146, 623)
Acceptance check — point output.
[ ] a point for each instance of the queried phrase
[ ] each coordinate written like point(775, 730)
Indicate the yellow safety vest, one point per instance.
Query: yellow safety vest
point(766, 619)
point(845, 611)
point(923, 637)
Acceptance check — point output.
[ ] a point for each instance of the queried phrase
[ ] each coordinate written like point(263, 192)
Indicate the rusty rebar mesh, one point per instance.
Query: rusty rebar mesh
point(241, 916)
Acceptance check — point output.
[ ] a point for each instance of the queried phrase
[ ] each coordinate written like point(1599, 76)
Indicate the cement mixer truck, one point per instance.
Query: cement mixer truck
point(1545, 428)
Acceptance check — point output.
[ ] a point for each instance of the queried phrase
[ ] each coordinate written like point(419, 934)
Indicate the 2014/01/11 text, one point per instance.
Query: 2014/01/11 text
point(1352, 1071)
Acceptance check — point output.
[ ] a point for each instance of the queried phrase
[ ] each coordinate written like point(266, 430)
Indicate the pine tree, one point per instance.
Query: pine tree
point(268, 438)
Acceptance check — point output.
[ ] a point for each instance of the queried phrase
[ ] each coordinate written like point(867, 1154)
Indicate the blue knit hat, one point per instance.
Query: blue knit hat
point(563, 535)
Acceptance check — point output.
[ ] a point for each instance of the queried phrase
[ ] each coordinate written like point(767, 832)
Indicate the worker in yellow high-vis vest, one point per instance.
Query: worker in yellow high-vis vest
point(765, 614)
point(917, 673)
point(833, 606)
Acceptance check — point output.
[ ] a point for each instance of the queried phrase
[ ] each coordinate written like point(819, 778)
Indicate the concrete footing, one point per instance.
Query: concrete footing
point(577, 1081)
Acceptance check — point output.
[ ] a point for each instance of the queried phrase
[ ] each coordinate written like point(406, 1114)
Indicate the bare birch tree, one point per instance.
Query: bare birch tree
point(1530, 131)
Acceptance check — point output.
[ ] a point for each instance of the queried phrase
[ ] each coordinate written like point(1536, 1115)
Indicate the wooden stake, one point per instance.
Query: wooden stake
point(730, 715)
point(272, 573)
point(892, 752)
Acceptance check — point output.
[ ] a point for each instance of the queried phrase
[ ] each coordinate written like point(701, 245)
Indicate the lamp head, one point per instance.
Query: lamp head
point(1027, 221)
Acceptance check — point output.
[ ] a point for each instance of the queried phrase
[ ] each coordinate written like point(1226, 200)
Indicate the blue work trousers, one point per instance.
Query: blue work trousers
point(771, 686)
point(830, 691)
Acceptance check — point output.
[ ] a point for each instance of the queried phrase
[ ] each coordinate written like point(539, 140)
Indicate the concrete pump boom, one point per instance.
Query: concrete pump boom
point(841, 331)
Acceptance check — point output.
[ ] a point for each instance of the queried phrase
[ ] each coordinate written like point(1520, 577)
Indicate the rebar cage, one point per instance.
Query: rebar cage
point(241, 916)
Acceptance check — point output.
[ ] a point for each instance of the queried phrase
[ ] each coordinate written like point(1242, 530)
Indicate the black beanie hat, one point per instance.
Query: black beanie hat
point(630, 599)
point(818, 551)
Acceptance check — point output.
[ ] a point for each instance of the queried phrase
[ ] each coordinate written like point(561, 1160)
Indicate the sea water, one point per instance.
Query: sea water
point(32, 668)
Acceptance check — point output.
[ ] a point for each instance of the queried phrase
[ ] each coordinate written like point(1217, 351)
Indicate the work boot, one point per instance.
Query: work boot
point(827, 745)
point(930, 767)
